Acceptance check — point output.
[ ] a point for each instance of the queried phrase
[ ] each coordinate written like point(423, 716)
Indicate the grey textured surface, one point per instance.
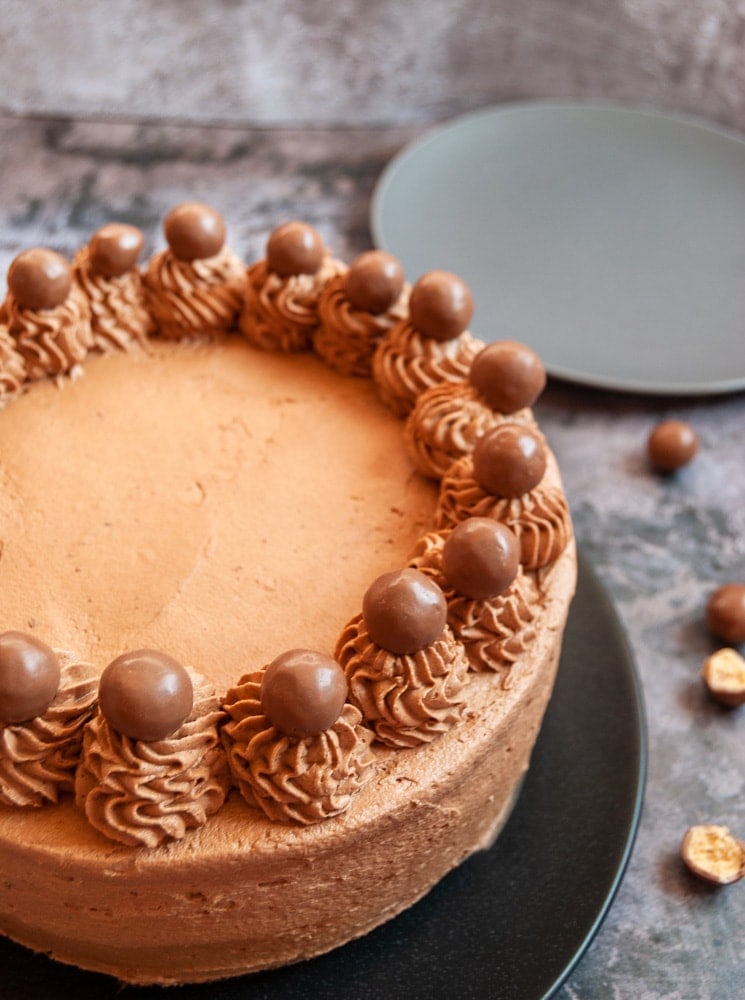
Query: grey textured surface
point(660, 544)
point(356, 62)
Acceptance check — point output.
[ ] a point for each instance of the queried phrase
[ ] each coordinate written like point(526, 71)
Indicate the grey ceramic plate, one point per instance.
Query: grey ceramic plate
point(511, 922)
point(611, 240)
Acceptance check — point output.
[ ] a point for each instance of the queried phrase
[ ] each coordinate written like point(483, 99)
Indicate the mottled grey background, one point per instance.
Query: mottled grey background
point(363, 62)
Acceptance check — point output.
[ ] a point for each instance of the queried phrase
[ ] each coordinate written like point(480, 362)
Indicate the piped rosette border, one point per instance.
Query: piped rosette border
point(301, 737)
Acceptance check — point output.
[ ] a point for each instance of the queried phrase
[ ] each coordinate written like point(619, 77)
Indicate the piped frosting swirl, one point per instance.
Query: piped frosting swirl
point(280, 313)
point(445, 424)
point(407, 698)
point(406, 362)
point(143, 794)
point(540, 518)
point(38, 758)
point(51, 341)
point(302, 779)
point(119, 319)
point(187, 297)
point(347, 336)
point(495, 632)
point(12, 367)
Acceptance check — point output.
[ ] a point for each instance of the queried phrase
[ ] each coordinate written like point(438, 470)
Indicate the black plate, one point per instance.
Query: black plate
point(511, 922)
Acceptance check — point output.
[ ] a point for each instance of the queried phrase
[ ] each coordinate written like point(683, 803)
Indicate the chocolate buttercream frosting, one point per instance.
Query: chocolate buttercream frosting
point(406, 699)
point(445, 424)
point(108, 274)
point(38, 757)
point(51, 339)
point(12, 367)
point(143, 794)
point(539, 518)
point(348, 333)
point(406, 362)
point(194, 296)
point(495, 631)
point(300, 779)
point(280, 313)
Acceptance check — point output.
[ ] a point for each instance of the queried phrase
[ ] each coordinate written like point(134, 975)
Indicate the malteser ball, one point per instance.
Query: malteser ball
point(404, 611)
point(115, 248)
point(303, 692)
point(194, 231)
point(509, 460)
point(480, 558)
point(39, 279)
point(508, 374)
point(29, 677)
point(374, 281)
point(145, 694)
point(294, 248)
point(440, 306)
point(725, 612)
point(671, 445)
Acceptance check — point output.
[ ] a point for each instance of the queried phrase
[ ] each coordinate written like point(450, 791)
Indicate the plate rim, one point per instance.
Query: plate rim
point(435, 133)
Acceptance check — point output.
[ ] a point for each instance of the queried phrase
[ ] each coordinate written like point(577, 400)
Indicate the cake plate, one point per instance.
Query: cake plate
point(510, 923)
point(612, 240)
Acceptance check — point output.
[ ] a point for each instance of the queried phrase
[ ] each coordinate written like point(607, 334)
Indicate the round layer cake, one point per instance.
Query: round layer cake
point(225, 502)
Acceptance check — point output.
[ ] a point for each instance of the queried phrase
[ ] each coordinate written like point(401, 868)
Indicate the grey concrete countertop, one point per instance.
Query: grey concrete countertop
point(660, 545)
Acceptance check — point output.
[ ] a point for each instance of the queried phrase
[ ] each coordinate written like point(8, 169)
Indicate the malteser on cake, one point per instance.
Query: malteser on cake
point(240, 612)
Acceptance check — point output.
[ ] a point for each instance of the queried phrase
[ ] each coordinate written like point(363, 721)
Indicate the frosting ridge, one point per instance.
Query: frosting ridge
point(38, 757)
point(406, 362)
point(203, 295)
point(51, 341)
point(539, 518)
point(303, 779)
point(407, 699)
point(144, 794)
point(119, 319)
point(281, 313)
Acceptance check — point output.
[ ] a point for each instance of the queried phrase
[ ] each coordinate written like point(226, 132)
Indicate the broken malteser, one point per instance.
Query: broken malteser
point(724, 675)
point(713, 854)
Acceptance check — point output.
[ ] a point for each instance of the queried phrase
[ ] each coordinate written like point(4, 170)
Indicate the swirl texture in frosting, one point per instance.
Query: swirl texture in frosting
point(406, 363)
point(301, 779)
point(407, 699)
point(495, 632)
point(12, 367)
point(347, 337)
point(445, 424)
point(145, 794)
point(119, 319)
point(51, 341)
point(38, 758)
point(281, 313)
point(540, 518)
point(187, 297)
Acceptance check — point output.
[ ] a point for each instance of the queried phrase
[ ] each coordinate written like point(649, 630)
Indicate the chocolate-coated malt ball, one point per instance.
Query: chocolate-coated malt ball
point(508, 374)
point(294, 248)
point(303, 692)
point(39, 279)
point(480, 558)
point(440, 306)
point(374, 281)
point(114, 249)
point(404, 611)
point(509, 460)
point(29, 677)
point(145, 694)
point(725, 612)
point(194, 231)
point(671, 445)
